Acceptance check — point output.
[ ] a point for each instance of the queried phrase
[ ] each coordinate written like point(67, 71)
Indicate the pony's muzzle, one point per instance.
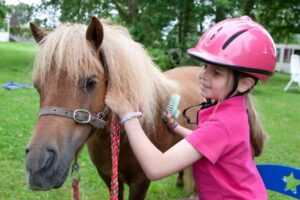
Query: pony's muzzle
point(42, 161)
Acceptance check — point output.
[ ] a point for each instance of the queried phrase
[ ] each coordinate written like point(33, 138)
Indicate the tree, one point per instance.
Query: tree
point(165, 24)
point(79, 11)
point(3, 12)
point(281, 18)
point(21, 14)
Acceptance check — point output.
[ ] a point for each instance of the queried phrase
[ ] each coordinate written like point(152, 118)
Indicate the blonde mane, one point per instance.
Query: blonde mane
point(131, 70)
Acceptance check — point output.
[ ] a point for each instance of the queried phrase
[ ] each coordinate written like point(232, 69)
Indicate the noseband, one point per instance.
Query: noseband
point(82, 116)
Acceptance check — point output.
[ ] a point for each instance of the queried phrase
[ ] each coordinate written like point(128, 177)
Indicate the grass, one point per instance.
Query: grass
point(279, 112)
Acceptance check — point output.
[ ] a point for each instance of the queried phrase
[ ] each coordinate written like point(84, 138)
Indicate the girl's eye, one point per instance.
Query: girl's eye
point(217, 73)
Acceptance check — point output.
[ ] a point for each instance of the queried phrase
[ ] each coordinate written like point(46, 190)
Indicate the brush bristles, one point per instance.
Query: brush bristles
point(173, 105)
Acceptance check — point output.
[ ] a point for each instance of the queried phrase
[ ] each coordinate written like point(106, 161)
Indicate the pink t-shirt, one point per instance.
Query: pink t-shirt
point(227, 170)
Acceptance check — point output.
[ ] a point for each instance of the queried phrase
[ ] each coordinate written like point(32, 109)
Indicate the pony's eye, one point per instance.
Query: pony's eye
point(89, 83)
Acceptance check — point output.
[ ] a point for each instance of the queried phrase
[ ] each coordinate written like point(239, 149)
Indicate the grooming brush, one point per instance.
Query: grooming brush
point(172, 107)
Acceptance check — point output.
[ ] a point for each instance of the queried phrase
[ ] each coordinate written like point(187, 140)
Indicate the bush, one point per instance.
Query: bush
point(161, 58)
point(3, 25)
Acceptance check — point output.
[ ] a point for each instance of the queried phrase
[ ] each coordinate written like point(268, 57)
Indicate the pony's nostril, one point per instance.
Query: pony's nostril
point(26, 150)
point(49, 159)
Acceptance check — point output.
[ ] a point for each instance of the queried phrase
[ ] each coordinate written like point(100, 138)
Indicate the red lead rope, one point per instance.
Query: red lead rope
point(115, 148)
point(75, 180)
point(75, 185)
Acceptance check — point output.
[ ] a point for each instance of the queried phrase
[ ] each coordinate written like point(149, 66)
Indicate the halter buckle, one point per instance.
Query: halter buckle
point(82, 116)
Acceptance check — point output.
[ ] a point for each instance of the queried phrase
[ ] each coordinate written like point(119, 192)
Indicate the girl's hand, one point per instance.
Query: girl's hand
point(171, 122)
point(118, 103)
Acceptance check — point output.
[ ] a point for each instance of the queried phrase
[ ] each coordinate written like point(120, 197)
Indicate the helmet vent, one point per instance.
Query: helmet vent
point(212, 37)
point(233, 38)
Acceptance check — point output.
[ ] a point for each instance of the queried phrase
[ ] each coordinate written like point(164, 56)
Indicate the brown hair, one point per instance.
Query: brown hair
point(257, 134)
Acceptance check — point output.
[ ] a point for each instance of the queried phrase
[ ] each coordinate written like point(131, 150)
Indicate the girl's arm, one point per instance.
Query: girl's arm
point(182, 131)
point(175, 127)
point(156, 164)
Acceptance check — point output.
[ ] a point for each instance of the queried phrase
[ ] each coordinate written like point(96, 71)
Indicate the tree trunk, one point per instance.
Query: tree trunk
point(187, 16)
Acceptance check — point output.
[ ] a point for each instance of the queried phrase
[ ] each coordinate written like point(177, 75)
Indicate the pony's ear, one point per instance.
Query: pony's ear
point(94, 33)
point(37, 32)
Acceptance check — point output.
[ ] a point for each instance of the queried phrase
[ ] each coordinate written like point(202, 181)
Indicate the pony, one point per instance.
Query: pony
point(74, 67)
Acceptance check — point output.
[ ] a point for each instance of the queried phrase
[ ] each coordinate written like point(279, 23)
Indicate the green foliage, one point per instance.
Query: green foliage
point(160, 57)
point(179, 24)
point(281, 18)
point(26, 33)
point(20, 16)
point(22, 31)
point(76, 10)
point(3, 13)
point(166, 24)
point(3, 25)
point(3, 10)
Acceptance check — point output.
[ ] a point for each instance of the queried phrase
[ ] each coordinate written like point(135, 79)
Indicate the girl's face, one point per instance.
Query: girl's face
point(215, 82)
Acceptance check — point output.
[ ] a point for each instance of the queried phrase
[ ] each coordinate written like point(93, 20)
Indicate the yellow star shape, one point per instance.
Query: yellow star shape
point(291, 183)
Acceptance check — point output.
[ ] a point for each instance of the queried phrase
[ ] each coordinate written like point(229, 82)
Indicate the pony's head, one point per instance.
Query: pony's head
point(74, 68)
point(68, 74)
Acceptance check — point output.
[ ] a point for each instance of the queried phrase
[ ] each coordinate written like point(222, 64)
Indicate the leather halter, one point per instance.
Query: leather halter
point(82, 116)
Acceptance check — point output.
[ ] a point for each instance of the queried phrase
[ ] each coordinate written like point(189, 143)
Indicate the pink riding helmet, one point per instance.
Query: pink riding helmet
point(240, 44)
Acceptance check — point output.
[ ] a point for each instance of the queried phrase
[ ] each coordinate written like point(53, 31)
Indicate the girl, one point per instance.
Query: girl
point(238, 52)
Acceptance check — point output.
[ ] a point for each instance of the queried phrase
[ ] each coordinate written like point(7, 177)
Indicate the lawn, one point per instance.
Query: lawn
point(279, 112)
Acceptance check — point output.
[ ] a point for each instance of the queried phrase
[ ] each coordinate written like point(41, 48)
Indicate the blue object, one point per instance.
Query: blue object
point(281, 179)
point(173, 105)
point(14, 85)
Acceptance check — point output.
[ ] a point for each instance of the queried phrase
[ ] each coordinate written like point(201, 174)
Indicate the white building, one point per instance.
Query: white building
point(284, 52)
point(4, 32)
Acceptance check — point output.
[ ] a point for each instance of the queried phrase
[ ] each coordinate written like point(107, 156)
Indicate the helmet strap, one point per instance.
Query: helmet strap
point(236, 78)
point(208, 103)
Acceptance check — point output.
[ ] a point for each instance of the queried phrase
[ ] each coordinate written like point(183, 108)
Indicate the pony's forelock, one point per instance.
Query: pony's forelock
point(66, 50)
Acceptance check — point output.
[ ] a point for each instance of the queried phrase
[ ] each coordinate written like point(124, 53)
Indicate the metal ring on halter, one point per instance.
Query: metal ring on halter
point(82, 116)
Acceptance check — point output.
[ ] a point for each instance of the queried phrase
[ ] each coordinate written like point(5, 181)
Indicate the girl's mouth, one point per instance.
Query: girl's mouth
point(204, 86)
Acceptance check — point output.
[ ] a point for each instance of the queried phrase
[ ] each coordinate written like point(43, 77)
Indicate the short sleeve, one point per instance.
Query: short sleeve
point(211, 139)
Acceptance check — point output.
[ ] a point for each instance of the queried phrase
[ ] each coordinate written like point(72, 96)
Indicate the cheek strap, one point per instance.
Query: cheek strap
point(236, 78)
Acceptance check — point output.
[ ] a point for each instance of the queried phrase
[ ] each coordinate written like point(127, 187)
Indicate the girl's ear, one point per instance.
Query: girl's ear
point(245, 84)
